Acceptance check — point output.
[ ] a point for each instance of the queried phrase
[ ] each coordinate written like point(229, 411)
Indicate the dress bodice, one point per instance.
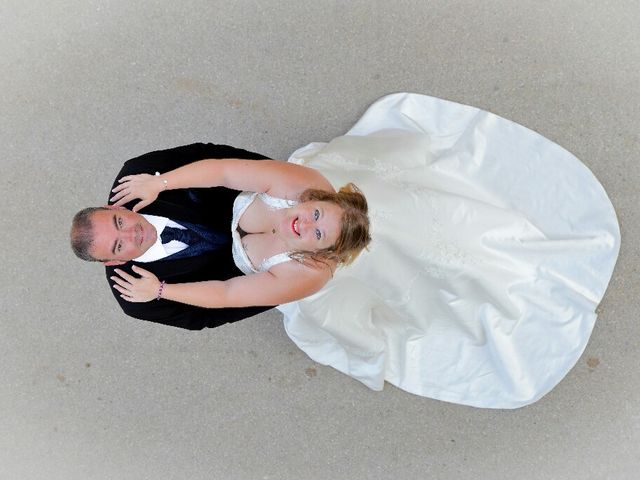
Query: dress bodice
point(240, 257)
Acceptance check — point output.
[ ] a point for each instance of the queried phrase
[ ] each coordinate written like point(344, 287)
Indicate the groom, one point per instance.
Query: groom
point(121, 238)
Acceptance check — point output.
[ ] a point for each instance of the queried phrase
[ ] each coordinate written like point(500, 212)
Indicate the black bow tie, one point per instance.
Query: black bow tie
point(183, 235)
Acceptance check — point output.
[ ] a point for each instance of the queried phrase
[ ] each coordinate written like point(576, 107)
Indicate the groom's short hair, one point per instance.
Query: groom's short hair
point(82, 235)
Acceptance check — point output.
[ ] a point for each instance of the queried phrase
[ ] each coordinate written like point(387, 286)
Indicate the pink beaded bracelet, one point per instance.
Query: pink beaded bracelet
point(160, 290)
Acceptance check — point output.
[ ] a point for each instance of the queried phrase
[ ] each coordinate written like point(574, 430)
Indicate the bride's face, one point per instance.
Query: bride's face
point(312, 225)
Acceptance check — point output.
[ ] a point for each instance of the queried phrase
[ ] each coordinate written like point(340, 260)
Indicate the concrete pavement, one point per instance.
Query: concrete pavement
point(87, 393)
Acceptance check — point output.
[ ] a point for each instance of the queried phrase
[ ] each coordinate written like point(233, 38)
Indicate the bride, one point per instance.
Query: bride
point(491, 248)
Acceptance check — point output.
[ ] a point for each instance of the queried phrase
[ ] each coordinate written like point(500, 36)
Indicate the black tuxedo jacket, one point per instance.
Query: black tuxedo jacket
point(212, 207)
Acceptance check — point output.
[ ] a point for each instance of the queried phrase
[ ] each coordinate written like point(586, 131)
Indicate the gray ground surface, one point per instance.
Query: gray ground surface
point(87, 393)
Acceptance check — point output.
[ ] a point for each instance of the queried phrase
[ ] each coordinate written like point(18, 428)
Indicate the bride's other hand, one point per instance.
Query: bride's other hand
point(144, 186)
point(142, 289)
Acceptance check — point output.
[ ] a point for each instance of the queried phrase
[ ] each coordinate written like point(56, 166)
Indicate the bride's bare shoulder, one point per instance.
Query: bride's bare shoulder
point(294, 179)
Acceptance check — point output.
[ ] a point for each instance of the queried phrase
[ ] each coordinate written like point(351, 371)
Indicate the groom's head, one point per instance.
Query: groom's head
point(112, 235)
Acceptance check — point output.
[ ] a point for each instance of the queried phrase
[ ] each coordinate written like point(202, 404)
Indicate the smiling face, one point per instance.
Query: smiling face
point(120, 235)
point(312, 226)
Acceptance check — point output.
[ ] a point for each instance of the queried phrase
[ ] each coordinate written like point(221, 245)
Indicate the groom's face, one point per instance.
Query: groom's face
point(120, 235)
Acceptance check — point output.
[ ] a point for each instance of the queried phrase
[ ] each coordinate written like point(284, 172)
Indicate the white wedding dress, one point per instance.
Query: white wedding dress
point(492, 247)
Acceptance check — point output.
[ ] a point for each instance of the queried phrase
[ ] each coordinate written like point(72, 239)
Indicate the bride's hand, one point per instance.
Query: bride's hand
point(144, 186)
point(132, 289)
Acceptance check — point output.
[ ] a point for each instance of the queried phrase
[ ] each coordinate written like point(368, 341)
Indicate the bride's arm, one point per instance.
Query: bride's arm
point(238, 174)
point(248, 291)
point(280, 179)
point(293, 282)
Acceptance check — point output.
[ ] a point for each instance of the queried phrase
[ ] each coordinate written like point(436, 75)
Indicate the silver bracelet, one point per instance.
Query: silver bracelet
point(165, 183)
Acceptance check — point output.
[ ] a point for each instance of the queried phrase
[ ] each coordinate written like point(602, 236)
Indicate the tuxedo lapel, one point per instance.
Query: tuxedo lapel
point(175, 212)
point(169, 268)
point(215, 265)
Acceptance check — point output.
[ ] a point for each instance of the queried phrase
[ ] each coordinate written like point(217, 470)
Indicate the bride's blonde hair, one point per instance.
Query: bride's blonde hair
point(354, 229)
